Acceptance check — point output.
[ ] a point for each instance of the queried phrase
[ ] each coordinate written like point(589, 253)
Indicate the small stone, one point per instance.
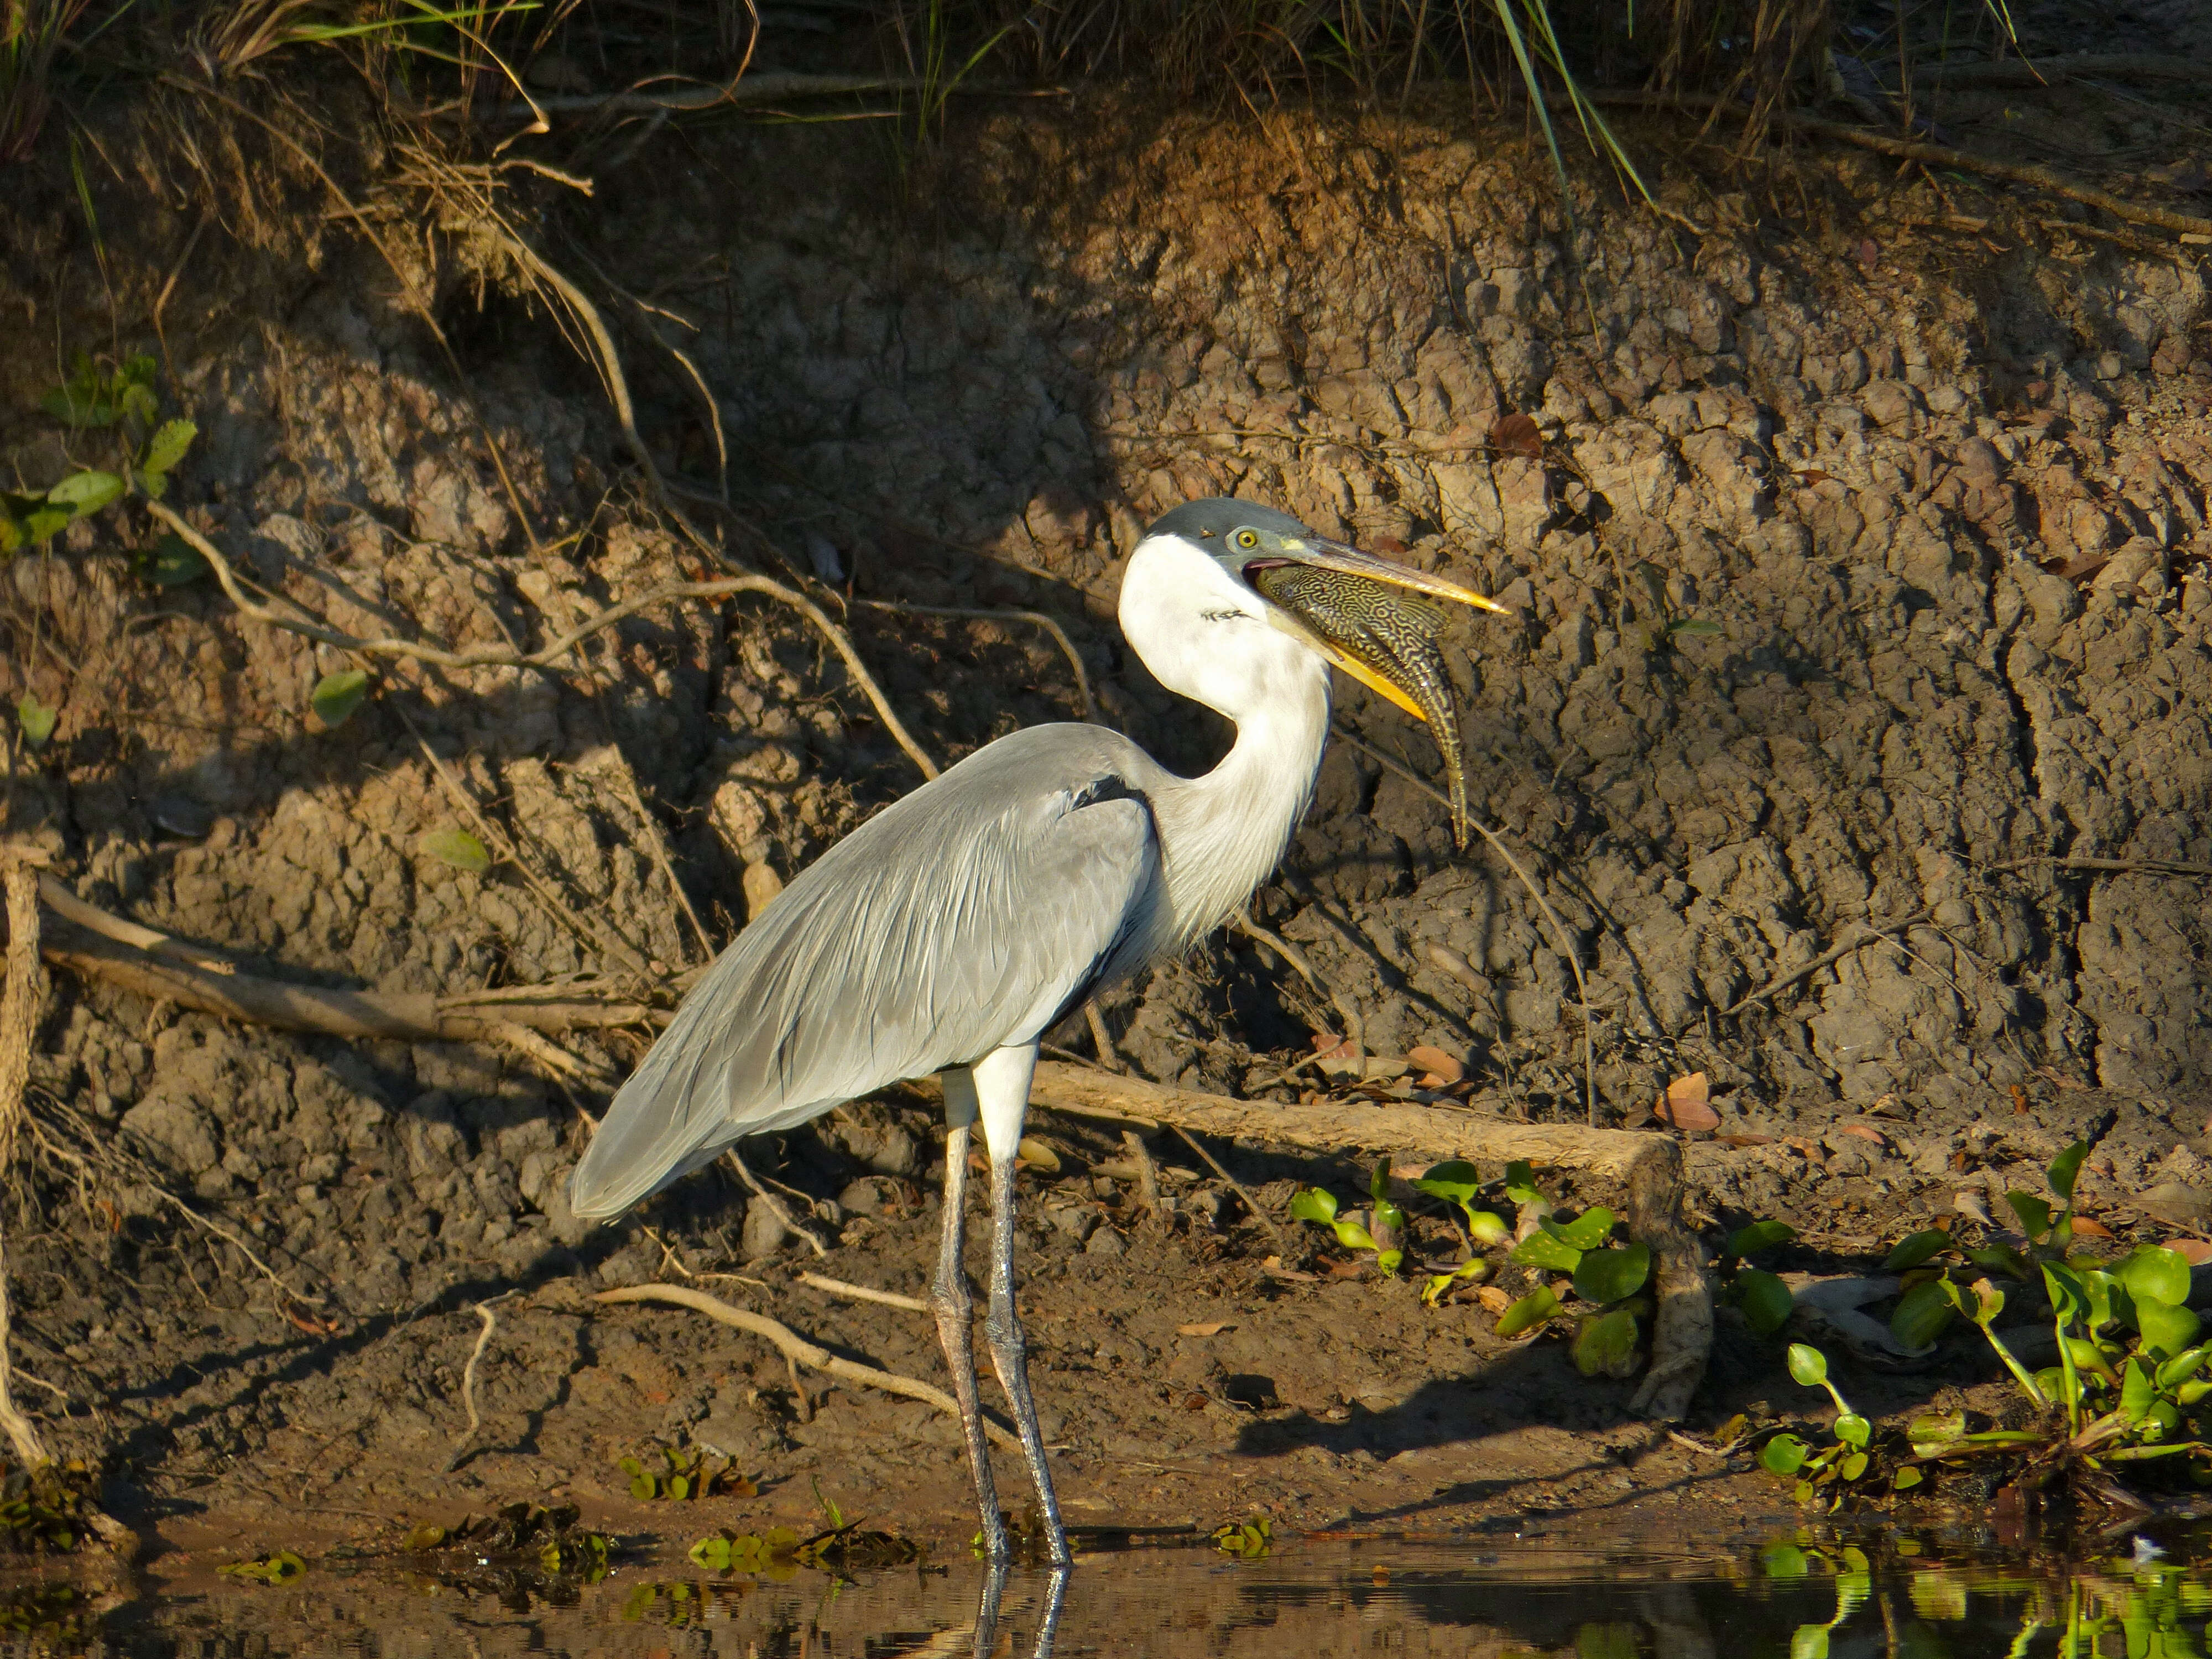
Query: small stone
point(1104, 1243)
point(860, 1198)
point(762, 884)
point(1075, 1220)
point(763, 1234)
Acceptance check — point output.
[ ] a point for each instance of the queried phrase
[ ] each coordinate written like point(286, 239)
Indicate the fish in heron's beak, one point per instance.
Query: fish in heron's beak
point(1367, 617)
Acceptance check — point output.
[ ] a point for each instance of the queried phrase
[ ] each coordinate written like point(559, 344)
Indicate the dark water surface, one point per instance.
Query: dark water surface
point(1889, 1597)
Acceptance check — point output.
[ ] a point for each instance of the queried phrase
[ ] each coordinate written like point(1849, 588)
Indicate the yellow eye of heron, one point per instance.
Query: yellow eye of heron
point(1248, 538)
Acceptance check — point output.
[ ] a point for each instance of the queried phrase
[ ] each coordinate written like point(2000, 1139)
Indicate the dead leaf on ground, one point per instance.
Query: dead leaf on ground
point(1211, 1328)
point(1864, 1132)
point(1684, 1104)
point(1328, 1046)
point(1517, 434)
point(1440, 1068)
point(2195, 1251)
point(2019, 1101)
point(1274, 1267)
point(2085, 1227)
point(1493, 1298)
point(1745, 1140)
point(1037, 1155)
point(1347, 1269)
point(1812, 476)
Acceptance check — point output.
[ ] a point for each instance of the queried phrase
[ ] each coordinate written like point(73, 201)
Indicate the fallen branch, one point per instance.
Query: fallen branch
point(1932, 156)
point(1646, 1167)
point(1867, 934)
point(799, 1351)
point(19, 1022)
point(547, 657)
point(251, 999)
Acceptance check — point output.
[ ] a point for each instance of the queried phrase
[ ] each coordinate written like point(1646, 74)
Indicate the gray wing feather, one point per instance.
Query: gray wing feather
point(960, 919)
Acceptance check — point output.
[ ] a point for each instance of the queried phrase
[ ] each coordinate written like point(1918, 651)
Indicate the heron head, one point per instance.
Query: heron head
point(1375, 620)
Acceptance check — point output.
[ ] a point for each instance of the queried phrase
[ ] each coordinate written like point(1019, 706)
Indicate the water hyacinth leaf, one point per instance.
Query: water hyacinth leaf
point(2165, 1331)
point(1378, 1184)
point(168, 445)
point(1905, 1480)
point(2066, 1168)
point(1853, 1466)
point(1759, 1236)
point(1784, 1454)
point(1784, 1561)
point(1389, 1260)
point(1353, 1236)
point(1604, 1344)
point(2137, 1393)
point(1521, 1182)
point(2183, 1366)
point(1530, 1311)
point(1921, 1313)
point(1914, 1250)
point(457, 848)
point(1612, 1274)
point(1808, 1366)
point(1388, 1216)
point(2153, 1275)
point(1999, 1256)
point(1853, 1429)
point(35, 719)
point(1455, 1180)
point(1541, 1250)
point(1933, 1432)
point(1809, 1642)
point(86, 492)
point(1487, 1229)
point(2034, 1213)
point(1316, 1204)
point(1767, 1301)
point(337, 695)
point(1586, 1231)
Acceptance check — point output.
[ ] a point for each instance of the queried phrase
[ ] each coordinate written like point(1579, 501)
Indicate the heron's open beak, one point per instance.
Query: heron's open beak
point(1361, 613)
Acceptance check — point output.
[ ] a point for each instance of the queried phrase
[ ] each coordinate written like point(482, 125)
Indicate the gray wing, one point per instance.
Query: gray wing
point(967, 916)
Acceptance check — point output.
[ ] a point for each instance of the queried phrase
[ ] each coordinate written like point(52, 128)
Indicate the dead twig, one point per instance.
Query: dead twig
point(467, 1442)
point(864, 1294)
point(776, 1206)
point(1101, 1038)
point(2116, 866)
point(752, 91)
point(797, 1350)
point(1866, 935)
point(1354, 1027)
point(1251, 1205)
point(1148, 1176)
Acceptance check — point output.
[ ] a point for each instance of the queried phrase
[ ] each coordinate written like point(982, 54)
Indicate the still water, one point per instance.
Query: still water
point(1887, 1597)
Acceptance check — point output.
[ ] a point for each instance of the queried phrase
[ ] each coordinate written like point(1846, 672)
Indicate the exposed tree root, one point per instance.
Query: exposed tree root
point(799, 1351)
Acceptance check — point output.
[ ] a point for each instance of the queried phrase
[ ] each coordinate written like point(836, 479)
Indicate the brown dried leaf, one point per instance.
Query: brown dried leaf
point(1517, 434)
point(2086, 1227)
point(1684, 1104)
point(1493, 1298)
point(1211, 1328)
point(1438, 1065)
point(1864, 1132)
point(2195, 1251)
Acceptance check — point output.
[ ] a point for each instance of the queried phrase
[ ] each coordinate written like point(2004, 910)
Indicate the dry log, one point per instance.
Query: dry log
point(1645, 1168)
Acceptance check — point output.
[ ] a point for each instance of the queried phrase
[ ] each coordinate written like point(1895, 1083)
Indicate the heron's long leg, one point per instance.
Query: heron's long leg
point(1009, 1353)
point(955, 1310)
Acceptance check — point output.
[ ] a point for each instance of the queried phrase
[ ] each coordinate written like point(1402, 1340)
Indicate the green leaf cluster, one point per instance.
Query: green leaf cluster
point(1458, 1183)
point(1765, 1301)
point(95, 399)
point(1606, 1278)
point(1821, 1473)
point(1318, 1205)
point(684, 1476)
point(554, 1537)
point(280, 1568)
point(1248, 1541)
point(770, 1553)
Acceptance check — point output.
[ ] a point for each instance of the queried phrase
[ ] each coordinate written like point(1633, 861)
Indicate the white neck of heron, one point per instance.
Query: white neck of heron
point(1206, 636)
